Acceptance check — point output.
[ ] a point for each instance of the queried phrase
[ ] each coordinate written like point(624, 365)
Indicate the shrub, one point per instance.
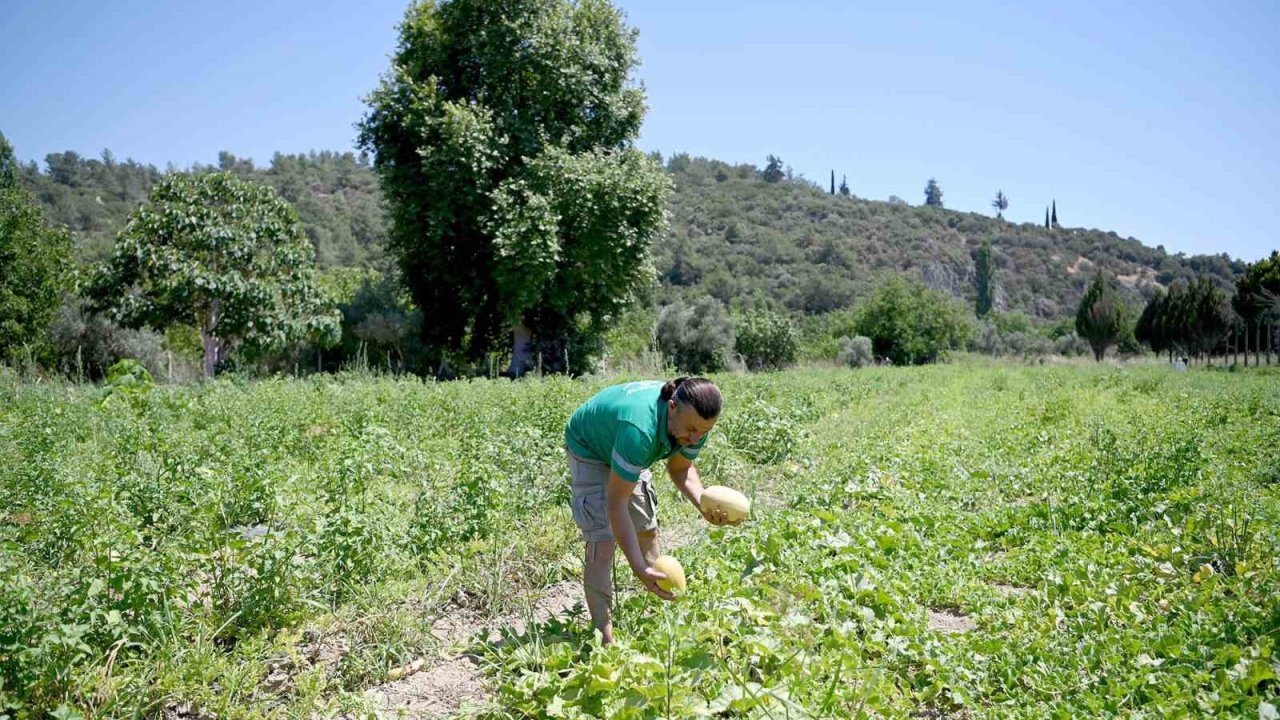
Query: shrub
point(767, 340)
point(911, 324)
point(855, 352)
point(696, 336)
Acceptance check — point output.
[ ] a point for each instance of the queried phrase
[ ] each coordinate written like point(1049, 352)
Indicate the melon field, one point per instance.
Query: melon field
point(958, 541)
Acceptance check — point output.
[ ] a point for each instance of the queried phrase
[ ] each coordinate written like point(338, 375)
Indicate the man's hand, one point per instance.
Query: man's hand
point(717, 517)
point(649, 578)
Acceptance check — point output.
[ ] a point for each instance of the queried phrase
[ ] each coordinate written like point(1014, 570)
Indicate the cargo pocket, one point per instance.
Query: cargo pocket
point(589, 512)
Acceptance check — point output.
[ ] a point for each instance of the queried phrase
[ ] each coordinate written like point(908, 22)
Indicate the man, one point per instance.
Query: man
point(611, 440)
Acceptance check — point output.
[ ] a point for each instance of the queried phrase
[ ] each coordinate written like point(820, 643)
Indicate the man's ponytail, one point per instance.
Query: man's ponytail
point(698, 392)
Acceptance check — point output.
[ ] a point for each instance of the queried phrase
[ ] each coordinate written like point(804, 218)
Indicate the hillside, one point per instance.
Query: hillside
point(336, 196)
point(732, 235)
point(738, 237)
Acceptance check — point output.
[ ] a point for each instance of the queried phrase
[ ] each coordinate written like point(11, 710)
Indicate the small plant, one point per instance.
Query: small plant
point(855, 352)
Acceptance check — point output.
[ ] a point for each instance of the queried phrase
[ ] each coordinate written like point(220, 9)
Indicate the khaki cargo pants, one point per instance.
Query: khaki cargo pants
point(590, 478)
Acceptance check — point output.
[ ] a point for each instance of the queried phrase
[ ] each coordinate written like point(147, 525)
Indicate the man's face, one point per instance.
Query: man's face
point(684, 425)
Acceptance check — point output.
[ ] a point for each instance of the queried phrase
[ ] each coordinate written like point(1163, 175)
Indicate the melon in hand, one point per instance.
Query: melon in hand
point(735, 505)
point(669, 566)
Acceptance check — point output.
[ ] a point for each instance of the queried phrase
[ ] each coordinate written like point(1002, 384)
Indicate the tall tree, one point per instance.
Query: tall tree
point(33, 258)
point(1153, 324)
point(1001, 203)
point(1101, 318)
point(8, 164)
point(504, 138)
point(833, 182)
point(983, 279)
point(773, 170)
point(1209, 313)
point(1046, 218)
point(1256, 299)
point(844, 186)
point(221, 254)
point(932, 194)
point(1054, 219)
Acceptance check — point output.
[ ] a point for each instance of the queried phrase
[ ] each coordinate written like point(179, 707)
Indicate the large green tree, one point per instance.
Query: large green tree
point(910, 324)
point(221, 254)
point(33, 259)
point(1257, 300)
point(503, 135)
point(1209, 316)
point(1102, 317)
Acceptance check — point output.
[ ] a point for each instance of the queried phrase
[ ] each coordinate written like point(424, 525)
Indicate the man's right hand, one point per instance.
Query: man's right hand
point(649, 578)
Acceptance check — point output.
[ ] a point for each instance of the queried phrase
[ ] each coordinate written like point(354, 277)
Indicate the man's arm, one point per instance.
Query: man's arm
point(617, 503)
point(685, 476)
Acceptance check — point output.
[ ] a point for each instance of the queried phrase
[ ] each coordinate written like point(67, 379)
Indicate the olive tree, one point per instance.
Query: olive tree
point(219, 253)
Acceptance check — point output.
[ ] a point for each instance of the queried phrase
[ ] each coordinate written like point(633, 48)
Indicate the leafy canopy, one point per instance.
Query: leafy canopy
point(503, 137)
point(910, 324)
point(219, 253)
point(32, 261)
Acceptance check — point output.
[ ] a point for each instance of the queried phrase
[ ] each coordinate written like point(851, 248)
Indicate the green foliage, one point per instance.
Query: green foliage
point(86, 344)
point(984, 277)
point(502, 136)
point(1066, 519)
point(856, 352)
point(1001, 203)
point(1209, 313)
point(1257, 295)
point(696, 336)
point(1102, 318)
point(910, 324)
point(336, 195)
point(8, 165)
point(1016, 334)
point(820, 335)
point(773, 172)
point(130, 375)
point(219, 253)
point(766, 339)
point(1080, 522)
point(932, 194)
point(1190, 318)
point(742, 241)
point(632, 336)
point(33, 258)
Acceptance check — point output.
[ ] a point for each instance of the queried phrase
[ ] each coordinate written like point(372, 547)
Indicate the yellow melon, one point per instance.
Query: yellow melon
point(669, 566)
point(735, 505)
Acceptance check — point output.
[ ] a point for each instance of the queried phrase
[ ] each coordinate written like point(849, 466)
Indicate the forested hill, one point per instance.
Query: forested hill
point(733, 234)
point(336, 195)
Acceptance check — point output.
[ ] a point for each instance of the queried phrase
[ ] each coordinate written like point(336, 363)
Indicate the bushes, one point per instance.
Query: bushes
point(910, 324)
point(87, 343)
point(767, 340)
point(855, 352)
point(696, 336)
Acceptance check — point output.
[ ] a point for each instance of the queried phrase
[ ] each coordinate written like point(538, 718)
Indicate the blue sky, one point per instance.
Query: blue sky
point(1155, 120)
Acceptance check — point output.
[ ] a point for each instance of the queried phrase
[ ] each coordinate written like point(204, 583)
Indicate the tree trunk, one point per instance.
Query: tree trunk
point(211, 344)
point(520, 358)
point(1246, 343)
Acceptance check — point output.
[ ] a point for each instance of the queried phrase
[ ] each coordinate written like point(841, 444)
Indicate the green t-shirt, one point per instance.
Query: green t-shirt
point(625, 427)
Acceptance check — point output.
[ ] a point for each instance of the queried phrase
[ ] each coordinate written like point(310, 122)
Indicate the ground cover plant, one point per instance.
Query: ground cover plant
point(972, 540)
